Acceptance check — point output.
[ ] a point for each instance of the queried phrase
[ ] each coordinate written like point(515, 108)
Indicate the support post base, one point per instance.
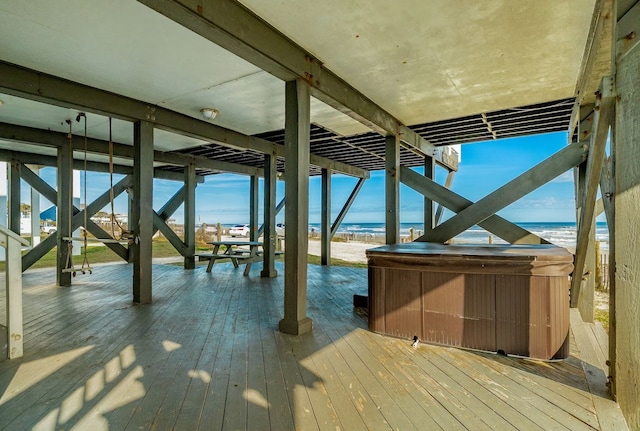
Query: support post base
point(265, 273)
point(189, 262)
point(296, 327)
point(4, 345)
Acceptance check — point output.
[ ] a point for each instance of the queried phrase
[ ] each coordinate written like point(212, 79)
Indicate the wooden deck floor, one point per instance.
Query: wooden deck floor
point(207, 355)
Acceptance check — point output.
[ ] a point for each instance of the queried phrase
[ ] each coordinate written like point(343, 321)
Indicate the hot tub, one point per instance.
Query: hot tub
point(511, 299)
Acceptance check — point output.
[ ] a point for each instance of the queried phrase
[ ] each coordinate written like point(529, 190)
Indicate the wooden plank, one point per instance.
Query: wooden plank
point(52, 391)
point(403, 406)
point(294, 383)
point(200, 375)
point(281, 415)
point(457, 404)
point(552, 386)
point(476, 400)
point(324, 409)
point(511, 414)
point(13, 294)
point(209, 256)
point(338, 396)
point(166, 362)
point(290, 396)
point(624, 295)
point(98, 362)
point(162, 369)
point(608, 412)
point(522, 397)
point(235, 402)
point(276, 252)
point(348, 373)
point(602, 341)
point(256, 392)
point(214, 408)
point(154, 350)
point(409, 401)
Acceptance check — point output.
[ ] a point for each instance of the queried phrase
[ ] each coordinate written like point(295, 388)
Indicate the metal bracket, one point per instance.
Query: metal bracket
point(607, 87)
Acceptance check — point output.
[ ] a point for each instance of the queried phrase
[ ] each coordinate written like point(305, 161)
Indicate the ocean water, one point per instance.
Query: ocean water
point(562, 234)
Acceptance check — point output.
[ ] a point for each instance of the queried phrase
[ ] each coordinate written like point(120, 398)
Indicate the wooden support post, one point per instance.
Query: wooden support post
point(296, 142)
point(586, 301)
point(142, 211)
point(130, 197)
point(65, 211)
point(269, 233)
point(14, 196)
point(3, 202)
point(624, 295)
point(447, 185)
point(602, 120)
point(254, 185)
point(429, 207)
point(325, 219)
point(190, 216)
point(15, 331)
point(35, 208)
point(13, 288)
point(606, 190)
point(392, 189)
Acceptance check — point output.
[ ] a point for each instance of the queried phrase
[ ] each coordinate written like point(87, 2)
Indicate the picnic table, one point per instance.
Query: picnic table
point(238, 251)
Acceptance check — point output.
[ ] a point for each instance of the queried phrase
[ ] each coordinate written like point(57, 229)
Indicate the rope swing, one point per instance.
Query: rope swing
point(86, 266)
point(124, 234)
point(68, 267)
point(85, 260)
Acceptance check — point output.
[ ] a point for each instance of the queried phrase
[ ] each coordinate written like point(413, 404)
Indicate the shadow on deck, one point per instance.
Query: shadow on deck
point(207, 354)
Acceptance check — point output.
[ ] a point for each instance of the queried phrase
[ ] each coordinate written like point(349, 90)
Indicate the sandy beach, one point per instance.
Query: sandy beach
point(349, 250)
point(352, 251)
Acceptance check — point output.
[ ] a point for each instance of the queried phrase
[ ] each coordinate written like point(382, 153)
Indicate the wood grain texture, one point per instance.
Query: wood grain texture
point(625, 295)
point(207, 355)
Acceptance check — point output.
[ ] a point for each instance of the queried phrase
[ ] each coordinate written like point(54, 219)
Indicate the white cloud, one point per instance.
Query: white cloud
point(567, 177)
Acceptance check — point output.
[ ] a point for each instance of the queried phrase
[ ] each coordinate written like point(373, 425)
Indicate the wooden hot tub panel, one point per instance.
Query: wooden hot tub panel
point(510, 299)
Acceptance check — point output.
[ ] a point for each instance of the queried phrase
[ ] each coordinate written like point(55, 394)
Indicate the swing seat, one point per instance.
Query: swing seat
point(102, 240)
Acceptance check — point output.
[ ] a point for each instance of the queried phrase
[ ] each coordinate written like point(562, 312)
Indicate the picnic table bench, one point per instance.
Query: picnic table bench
point(231, 251)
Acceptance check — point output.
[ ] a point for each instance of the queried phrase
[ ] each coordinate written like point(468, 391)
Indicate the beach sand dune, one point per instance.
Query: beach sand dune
point(352, 251)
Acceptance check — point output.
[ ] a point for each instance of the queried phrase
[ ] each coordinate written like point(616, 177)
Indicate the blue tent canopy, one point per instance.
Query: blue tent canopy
point(49, 214)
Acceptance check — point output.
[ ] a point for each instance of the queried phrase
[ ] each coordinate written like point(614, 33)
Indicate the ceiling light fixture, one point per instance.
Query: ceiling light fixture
point(209, 113)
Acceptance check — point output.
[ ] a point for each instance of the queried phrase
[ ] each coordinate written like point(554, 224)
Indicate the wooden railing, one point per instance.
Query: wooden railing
point(11, 335)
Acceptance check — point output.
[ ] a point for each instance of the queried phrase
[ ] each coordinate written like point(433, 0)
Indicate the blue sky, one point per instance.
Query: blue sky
point(484, 167)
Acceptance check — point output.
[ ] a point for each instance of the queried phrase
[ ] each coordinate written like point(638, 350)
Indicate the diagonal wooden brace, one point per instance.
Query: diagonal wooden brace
point(603, 117)
point(506, 230)
point(535, 177)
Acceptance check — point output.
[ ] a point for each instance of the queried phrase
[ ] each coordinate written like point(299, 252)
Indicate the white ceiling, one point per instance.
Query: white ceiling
point(421, 61)
point(432, 60)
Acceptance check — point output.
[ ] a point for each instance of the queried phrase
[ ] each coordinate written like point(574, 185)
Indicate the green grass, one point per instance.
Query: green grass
point(161, 248)
point(315, 260)
point(602, 316)
point(102, 254)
